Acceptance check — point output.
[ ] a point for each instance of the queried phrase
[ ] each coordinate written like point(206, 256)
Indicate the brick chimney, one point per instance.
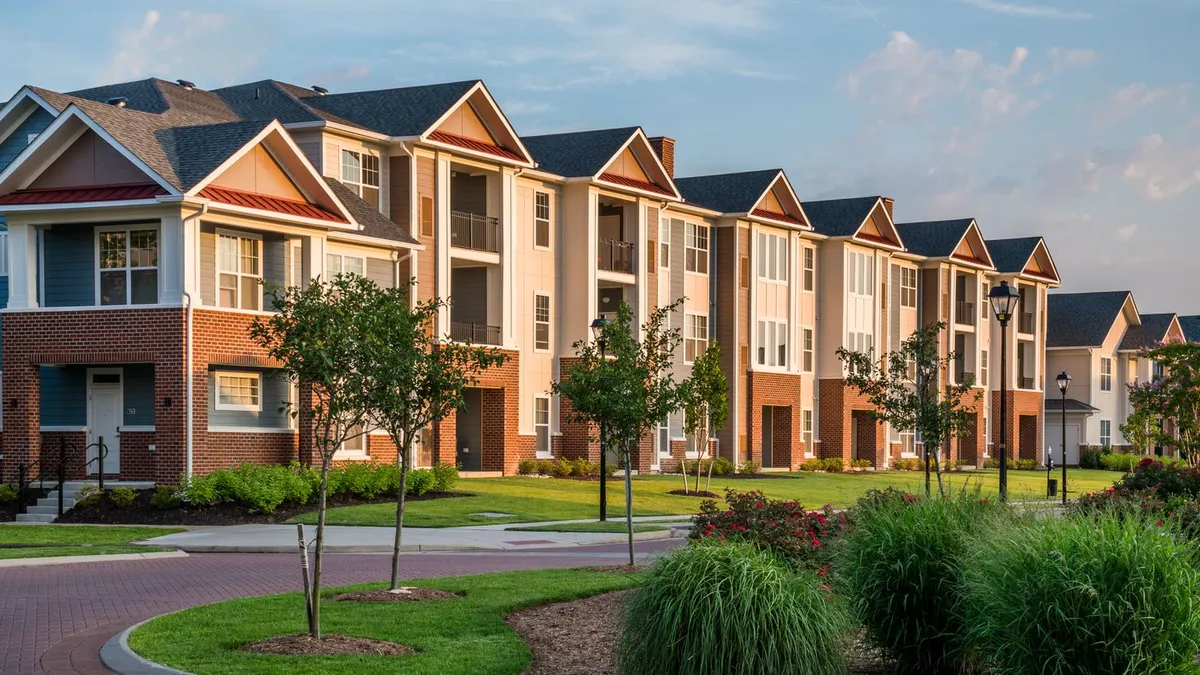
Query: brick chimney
point(888, 203)
point(664, 147)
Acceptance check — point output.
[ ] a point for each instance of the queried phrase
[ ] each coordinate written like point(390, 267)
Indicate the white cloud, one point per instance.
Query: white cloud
point(1027, 11)
point(1064, 59)
point(183, 45)
point(1162, 170)
point(1131, 98)
point(1126, 233)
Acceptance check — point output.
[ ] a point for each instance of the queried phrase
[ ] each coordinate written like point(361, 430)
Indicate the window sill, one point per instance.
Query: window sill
point(251, 430)
point(356, 457)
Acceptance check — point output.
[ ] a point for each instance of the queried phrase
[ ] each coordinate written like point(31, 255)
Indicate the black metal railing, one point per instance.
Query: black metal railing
point(473, 231)
point(1025, 323)
point(615, 256)
point(477, 333)
point(54, 465)
point(964, 313)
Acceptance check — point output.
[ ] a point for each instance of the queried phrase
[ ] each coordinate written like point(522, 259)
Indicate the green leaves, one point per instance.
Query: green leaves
point(1174, 395)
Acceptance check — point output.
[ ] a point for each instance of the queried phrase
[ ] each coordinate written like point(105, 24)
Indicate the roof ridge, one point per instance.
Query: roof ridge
point(583, 131)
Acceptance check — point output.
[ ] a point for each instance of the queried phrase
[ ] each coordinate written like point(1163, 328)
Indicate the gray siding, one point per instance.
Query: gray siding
point(138, 394)
point(69, 265)
point(274, 265)
point(63, 396)
point(275, 392)
point(678, 319)
point(381, 272)
point(208, 265)
point(17, 141)
point(468, 292)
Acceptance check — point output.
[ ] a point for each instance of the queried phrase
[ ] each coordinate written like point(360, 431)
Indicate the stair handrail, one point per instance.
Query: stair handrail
point(67, 451)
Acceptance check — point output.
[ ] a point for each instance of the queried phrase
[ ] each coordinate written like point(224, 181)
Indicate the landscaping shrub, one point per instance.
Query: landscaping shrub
point(122, 497)
point(715, 609)
point(861, 464)
point(527, 467)
point(545, 467)
point(812, 464)
point(165, 498)
point(720, 466)
point(803, 538)
point(833, 464)
point(910, 464)
point(953, 465)
point(1119, 461)
point(88, 495)
point(561, 468)
point(874, 498)
point(900, 569)
point(8, 494)
point(419, 482)
point(445, 476)
point(1075, 595)
point(749, 468)
point(991, 463)
point(1026, 464)
point(1167, 481)
point(1089, 458)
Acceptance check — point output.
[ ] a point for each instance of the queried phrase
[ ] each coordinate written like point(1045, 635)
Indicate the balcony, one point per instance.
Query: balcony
point(1025, 382)
point(964, 313)
point(615, 256)
point(1025, 323)
point(475, 232)
point(475, 333)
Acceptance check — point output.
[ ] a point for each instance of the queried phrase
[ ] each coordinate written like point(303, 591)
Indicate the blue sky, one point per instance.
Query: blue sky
point(1075, 119)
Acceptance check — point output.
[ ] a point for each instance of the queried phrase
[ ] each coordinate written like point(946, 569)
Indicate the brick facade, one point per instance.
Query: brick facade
point(502, 446)
point(1025, 438)
point(781, 391)
point(839, 403)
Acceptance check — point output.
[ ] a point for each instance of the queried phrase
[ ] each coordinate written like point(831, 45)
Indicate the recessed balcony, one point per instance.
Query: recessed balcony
point(474, 333)
point(474, 232)
point(615, 256)
point(964, 313)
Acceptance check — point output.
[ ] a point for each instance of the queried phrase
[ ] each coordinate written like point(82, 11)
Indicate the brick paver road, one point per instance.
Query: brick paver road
point(55, 619)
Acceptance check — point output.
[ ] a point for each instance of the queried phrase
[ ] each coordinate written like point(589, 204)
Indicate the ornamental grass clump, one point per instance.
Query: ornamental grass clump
point(900, 570)
point(717, 608)
point(1092, 596)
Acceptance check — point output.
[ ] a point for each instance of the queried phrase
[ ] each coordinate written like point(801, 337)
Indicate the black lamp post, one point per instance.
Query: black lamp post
point(1004, 299)
point(1064, 381)
point(598, 333)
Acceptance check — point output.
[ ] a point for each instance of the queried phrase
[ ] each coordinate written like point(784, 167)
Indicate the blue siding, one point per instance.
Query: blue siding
point(139, 394)
point(69, 263)
point(64, 396)
point(275, 391)
point(13, 145)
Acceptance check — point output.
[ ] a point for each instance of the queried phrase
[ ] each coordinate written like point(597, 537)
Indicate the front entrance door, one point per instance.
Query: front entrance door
point(469, 431)
point(105, 412)
point(768, 436)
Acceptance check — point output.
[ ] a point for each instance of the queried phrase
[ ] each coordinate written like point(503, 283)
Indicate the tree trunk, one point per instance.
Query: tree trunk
point(629, 499)
point(304, 574)
point(403, 459)
point(937, 467)
point(314, 623)
point(699, 462)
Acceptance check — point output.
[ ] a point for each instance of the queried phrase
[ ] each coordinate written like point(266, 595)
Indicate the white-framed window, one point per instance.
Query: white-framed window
point(238, 391)
point(1106, 433)
point(354, 447)
point(810, 268)
point(360, 173)
point(806, 429)
point(664, 243)
point(695, 339)
point(1106, 369)
point(541, 322)
point(239, 271)
point(983, 367)
point(860, 273)
point(772, 343)
point(772, 257)
point(341, 263)
point(541, 424)
point(908, 443)
point(663, 438)
point(908, 287)
point(984, 303)
point(541, 219)
point(127, 266)
point(695, 241)
point(806, 349)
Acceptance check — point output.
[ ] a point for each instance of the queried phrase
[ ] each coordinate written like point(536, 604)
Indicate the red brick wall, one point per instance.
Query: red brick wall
point(1019, 403)
point(579, 439)
point(501, 444)
point(838, 401)
point(782, 391)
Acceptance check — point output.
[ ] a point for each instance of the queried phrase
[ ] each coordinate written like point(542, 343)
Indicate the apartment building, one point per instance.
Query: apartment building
point(1191, 327)
point(1099, 339)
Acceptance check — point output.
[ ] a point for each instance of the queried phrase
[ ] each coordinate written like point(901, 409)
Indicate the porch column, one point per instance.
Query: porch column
point(508, 259)
point(442, 289)
point(22, 266)
point(312, 255)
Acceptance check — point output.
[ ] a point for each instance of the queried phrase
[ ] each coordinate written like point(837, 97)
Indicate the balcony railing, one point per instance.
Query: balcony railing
point(1025, 323)
point(615, 256)
point(1025, 382)
point(476, 333)
point(964, 313)
point(478, 233)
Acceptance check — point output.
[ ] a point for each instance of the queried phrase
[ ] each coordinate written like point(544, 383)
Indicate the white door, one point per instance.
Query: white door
point(1054, 439)
point(105, 412)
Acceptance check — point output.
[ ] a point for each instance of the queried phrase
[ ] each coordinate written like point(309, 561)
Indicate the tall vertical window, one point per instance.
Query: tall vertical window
point(984, 303)
point(806, 346)
point(983, 368)
point(908, 287)
point(541, 321)
point(810, 268)
point(1106, 368)
point(541, 424)
point(696, 248)
point(541, 219)
point(239, 272)
point(772, 257)
point(806, 428)
point(695, 337)
point(664, 243)
point(337, 263)
point(860, 273)
point(360, 173)
point(772, 343)
point(128, 266)
point(1106, 433)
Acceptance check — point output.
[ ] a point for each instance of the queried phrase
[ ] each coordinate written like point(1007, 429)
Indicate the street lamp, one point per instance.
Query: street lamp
point(1004, 299)
point(1064, 381)
point(598, 334)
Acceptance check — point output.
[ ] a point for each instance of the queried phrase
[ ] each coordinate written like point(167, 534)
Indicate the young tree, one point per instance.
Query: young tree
point(316, 335)
point(1175, 395)
point(1141, 429)
point(705, 400)
point(903, 387)
point(629, 389)
point(413, 380)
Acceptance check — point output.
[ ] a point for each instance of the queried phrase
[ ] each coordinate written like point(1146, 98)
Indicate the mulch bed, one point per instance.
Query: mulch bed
point(340, 645)
point(693, 493)
point(407, 594)
point(9, 511)
point(141, 512)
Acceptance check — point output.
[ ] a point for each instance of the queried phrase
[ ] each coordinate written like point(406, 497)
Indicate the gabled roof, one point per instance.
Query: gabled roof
point(940, 238)
point(1154, 329)
point(1191, 327)
point(839, 217)
point(727, 192)
point(1083, 319)
point(577, 154)
point(374, 224)
point(1013, 256)
point(1073, 406)
point(181, 104)
point(407, 111)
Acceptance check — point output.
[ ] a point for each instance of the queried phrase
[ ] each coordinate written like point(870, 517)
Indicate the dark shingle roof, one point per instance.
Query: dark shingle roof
point(577, 154)
point(727, 192)
point(374, 223)
point(1082, 319)
point(195, 152)
point(1152, 331)
point(935, 238)
point(407, 111)
point(839, 217)
point(181, 105)
point(1191, 327)
point(1073, 405)
point(1010, 255)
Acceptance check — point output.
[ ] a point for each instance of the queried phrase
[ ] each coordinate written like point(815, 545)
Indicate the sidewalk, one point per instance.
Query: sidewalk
point(353, 539)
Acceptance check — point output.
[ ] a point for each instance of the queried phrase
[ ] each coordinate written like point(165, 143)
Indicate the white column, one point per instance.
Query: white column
point(22, 266)
point(176, 260)
point(641, 273)
point(442, 288)
point(508, 257)
point(312, 254)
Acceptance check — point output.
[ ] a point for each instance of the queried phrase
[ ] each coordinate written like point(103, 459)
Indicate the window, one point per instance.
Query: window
point(337, 263)
point(1156, 371)
point(353, 447)
point(663, 439)
point(696, 248)
point(908, 287)
point(984, 303)
point(860, 273)
point(664, 243)
point(806, 430)
point(541, 219)
point(772, 343)
point(239, 391)
point(806, 346)
point(983, 368)
point(695, 339)
point(238, 272)
point(810, 268)
point(863, 343)
point(908, 443)
point(541, 321)
point(541, 424)
point(772, 257)
point(1106, 369)
point(128, 267)
point(1106, 433)
point(360, 173)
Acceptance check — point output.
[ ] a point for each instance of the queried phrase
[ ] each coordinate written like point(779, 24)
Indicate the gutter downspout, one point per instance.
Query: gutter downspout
point(190, 376)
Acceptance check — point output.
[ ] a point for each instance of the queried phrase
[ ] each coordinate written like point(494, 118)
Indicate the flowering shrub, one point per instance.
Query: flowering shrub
point(1170, 480)
point(802, 537)
point(889, 495)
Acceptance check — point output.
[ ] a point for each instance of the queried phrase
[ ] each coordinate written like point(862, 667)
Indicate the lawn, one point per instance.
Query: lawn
point(592, 526)
point(461, 635)
point(44, 541)
point(546, 499)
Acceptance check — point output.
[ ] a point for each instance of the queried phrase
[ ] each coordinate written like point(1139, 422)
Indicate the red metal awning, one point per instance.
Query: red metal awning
point(83, 194)
point(254, 200)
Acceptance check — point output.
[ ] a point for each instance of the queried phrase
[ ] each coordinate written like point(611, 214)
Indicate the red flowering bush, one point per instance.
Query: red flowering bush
point(805, 538)
point(1170, 480)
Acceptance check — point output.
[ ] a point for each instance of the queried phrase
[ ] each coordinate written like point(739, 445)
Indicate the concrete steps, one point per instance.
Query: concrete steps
point(46, 509)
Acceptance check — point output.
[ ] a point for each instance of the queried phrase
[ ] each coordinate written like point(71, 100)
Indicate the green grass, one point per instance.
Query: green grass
point(546, 499)
point(593, 526)
point(44, 541)
point(463, 635)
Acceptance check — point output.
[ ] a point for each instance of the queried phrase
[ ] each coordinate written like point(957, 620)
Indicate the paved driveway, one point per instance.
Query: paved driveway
point(54, 619)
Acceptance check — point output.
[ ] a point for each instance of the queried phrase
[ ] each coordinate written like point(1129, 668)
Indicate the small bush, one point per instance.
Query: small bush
point(8, 494)
point(908, 464)
point(861, 464)
point(875, 498)
point(991, 463)
point(1119, 461)
point(545, 467)
point(419, 482)
point(803, 538)
point(730, 609)
point(1026, 465)
point(88, 495)
point(1073, 595)
point(1089, 458)
point(122, 497)
point(833, 464)
point(561, 468)
point(527, 467)
point(1167, 481)
point(951, 465)
point(812, 464)
point(720, 466)
point(165, 498)
point(749, 468)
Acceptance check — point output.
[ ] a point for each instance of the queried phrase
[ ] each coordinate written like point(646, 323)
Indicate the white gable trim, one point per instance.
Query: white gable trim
point(508, 129)
point(639, 133)
point(788, 184)
point(25, 94)
point(870, 212)
point(974, 226)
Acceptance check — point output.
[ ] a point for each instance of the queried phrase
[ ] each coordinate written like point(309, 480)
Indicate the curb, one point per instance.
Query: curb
point(74, 559)
point(117, 656)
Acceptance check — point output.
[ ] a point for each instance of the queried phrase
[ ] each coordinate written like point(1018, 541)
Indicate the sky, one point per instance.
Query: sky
point(1077, 120)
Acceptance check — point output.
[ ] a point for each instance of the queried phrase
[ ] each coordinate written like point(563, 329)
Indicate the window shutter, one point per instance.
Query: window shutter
point(744, 271)
point(651, 251)
point(426, 216)
point(745, 355)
